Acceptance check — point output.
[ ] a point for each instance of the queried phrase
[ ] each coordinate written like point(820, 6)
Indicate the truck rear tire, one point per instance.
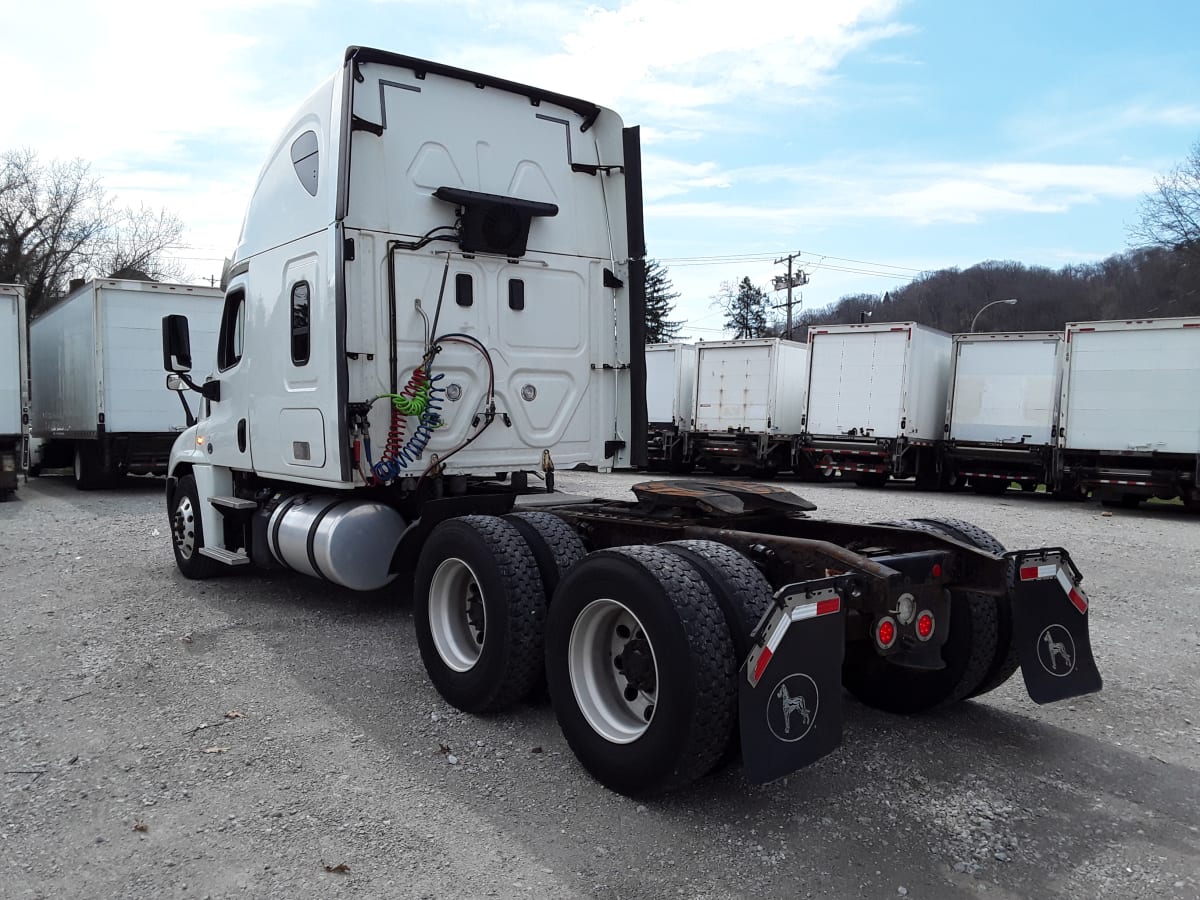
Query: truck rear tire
point(479, 610)
point(641, 669)
point(739, 588)
point(187, 532)
point(555, 545)
point(1007, 659)
point(88, 467)
point(968, 653)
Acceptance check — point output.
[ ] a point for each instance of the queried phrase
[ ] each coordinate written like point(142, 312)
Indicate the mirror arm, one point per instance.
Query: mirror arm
point(210, 390)
point(187, 410)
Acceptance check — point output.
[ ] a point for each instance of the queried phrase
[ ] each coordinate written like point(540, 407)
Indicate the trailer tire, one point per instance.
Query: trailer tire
point(1007, 659)
point(555, 545)
point(479, 609)
point(681, 718)
point(187, 533)
point(88, 471)
point(968, 653)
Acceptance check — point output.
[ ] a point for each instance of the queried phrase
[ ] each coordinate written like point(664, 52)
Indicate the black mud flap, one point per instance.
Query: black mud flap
point(1050, 626)
point(790, 695)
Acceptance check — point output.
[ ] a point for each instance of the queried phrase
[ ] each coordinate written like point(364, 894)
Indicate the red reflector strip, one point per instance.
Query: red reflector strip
point(1074, 594)
point(761, 665)
point(825, 607)
point(1036, 573)
point(820, 608)
point(1078, 600)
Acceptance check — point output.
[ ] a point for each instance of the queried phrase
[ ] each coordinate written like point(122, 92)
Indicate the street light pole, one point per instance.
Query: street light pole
point(1009, 302)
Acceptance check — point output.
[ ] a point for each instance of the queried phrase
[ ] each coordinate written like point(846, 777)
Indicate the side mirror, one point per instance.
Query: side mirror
point(177, 345)
point(175, 383)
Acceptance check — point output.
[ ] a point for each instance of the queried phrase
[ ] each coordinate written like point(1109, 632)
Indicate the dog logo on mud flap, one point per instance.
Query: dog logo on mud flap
point(792, 707)
point(1056, 650)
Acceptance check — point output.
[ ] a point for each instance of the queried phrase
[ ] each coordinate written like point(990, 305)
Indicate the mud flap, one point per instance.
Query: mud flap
point(790, 695)
point(1050, 626)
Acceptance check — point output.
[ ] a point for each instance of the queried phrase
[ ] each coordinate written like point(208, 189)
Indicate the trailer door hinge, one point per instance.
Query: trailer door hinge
point(590, 169)
point(357, 123)
point(610, 367)
point(348, 250)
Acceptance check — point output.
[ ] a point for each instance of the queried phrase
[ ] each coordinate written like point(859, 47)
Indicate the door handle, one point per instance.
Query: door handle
point(241, 435)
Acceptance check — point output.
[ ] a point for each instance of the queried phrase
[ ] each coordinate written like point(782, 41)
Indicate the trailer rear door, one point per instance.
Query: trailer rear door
point(857, 383)
point(1005, 391)
point(1133, 389)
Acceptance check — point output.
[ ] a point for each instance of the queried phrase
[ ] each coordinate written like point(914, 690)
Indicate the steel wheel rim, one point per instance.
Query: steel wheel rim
point(457, 616)
point(184, 528)
point(616, 701)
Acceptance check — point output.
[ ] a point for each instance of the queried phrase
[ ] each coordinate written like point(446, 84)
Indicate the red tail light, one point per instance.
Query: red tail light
point(925, 625)
point(885, 632)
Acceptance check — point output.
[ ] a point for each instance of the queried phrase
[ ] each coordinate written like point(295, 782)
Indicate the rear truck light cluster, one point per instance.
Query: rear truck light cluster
point(924, 625)
point(887, 629)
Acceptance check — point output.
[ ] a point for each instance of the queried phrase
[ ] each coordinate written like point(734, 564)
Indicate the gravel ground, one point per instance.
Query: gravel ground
point(242, 737)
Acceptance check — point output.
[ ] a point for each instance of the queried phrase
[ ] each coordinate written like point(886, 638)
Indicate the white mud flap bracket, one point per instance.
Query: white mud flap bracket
point(1050, 626)
point(790, 695)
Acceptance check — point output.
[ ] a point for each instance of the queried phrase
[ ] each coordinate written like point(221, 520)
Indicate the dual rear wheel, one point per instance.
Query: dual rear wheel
point(640, 645)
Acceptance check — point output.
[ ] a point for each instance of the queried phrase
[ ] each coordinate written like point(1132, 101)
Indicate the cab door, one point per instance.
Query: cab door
point(225, 430)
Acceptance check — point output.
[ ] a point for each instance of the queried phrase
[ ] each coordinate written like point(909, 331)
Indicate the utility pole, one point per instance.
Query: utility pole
point(789, 281)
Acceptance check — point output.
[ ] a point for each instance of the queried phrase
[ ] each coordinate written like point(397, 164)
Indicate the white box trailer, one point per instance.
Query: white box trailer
point(1002, 412)
point(98, 402)
point(670, 403)
point(876, 400)
point(749, 404)
point(1129, 422)
point(14, 386)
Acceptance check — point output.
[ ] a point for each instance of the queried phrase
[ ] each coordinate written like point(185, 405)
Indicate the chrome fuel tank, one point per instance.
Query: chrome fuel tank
point(346, 540)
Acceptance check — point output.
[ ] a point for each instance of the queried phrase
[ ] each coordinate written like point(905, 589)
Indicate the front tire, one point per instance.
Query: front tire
point(187, 532)
point(479, 610)
point(641, 669)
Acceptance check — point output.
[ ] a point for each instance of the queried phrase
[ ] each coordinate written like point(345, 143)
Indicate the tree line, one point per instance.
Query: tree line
point(1160, 279)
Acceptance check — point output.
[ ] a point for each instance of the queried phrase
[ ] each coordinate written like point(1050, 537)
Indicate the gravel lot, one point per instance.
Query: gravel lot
point(241, 737)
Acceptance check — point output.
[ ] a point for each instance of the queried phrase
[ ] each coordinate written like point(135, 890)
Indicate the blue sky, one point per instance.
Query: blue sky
point(879, 138)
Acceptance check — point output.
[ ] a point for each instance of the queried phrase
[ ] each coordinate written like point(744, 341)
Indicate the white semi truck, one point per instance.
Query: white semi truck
point(437, 293)
point(876, 401)
point(97, 400)
point(1002, 412)
point(14, 387)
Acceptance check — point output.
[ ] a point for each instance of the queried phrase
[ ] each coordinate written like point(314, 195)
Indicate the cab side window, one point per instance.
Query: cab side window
point(229, 341)
point(300, 320)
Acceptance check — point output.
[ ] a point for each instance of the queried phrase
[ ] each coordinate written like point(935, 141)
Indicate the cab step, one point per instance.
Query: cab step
point(226, 556)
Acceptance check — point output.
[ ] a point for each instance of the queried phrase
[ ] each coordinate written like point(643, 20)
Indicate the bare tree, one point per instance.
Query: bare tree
point(57, 222)
point(50, 217)
point(136, 240)
point(1170, 216)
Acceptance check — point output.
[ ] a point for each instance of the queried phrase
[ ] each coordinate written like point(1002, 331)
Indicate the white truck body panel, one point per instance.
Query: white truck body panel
point(1005, 388)
point(99, 352)
point(879, 380)
point(755, 386)
point(14, 366)
point(1132, 386)
point(560, 368)
point(671, 384)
